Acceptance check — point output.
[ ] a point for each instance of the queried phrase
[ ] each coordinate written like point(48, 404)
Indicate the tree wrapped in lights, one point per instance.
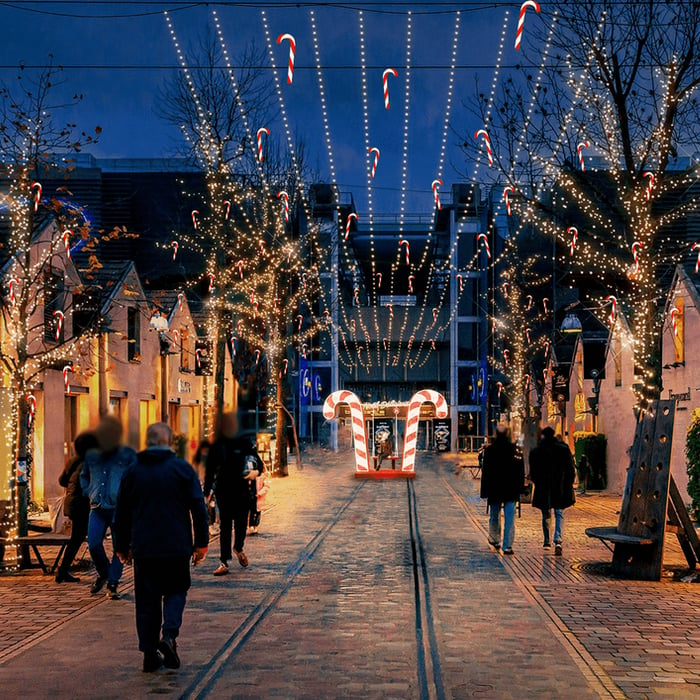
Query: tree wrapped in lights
point(38, 279)
point(613, 83)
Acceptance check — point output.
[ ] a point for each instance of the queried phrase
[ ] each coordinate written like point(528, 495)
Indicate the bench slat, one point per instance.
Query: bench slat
point(612, 535)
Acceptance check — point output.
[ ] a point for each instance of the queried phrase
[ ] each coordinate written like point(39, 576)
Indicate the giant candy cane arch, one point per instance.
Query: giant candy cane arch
point(330, 410)
point(408, 462)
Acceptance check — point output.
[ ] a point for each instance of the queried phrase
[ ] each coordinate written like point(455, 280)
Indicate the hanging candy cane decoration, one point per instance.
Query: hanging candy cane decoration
point(227, 209)
point(674, 321)
point(697, 262)
point(544, 305)
point(651, 183)
point(241, 265)
point(11, 286)
point(379, 279)
point(436, 195)
point(31, 401)
point(292, 52)
point(485, 240)
point(285, 200)
point(180, 300)
point(195, 213)
point(436, 311)
point(210, 275)
point(408, 462)
point(58, 315)
point(198, 357)
point(546, 347)
point(506, 357)
point(506, 198)
point(356, 295)
point(411, 340)
point(330, 411)
point(262, 130)
point(374, 150)
point(233, 346)
point(304, 347)
point(613, 308)
point(635, 254)
point(526, 380)
point(410, 283)
point(327, 316)
point(407, 250)
point(66, 241)
point(529, 302)
point(505, 286)
point(299, 319)
point(385, 81)
point(303, 280)
point(348, 223)
point(582, 145)
point(385, 343)
point(174, 245)
point(285, 366)
point(239, 325)
point(521, 20)
point(527, 335)
point(460, 280)
point(257, 357)
point(37, 194)
point(66, 382)
point(176, 340)
point(574, 237)
point(391, 311)
point(432, 344)
point(352, 326)
point(487, 143)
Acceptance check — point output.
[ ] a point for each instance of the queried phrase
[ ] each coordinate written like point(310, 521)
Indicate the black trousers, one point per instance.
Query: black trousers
point(160, 594)
point(79, 527)
point(232, 515)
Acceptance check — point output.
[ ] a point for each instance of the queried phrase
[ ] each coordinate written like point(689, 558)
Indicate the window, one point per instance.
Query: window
point(184, 350)
point(53, 308)
point(133, 334)
point(86, 311)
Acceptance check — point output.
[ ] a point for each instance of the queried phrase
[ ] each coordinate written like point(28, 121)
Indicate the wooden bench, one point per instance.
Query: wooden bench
point(44, 540)
point(651, 504)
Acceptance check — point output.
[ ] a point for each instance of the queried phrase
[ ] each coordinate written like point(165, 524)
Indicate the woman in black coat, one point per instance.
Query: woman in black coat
point(76, 505)
point(502, 482)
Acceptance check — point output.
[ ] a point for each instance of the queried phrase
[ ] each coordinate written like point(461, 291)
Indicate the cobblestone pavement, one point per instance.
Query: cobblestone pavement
point(374, 590)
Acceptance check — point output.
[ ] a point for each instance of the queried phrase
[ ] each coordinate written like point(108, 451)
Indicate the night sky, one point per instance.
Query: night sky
point(122, 100)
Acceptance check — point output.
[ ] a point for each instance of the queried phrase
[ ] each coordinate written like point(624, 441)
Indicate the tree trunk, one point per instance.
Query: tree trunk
point(21, 476)
point(281, 430)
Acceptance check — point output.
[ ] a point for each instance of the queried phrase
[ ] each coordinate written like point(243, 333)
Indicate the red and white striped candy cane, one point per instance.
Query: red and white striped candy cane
point(674, 321)
point(175, 342)
point(292, 52)
point(379, 279)
point(635, 254)
point(435, 185)
point(373, 170)
point(521, 20)
point(436, 312)
point(544, 304)
point(506, 357)
point(385, 81)
point(299, 319)
point(239, 325)
point(581, 146)
point(330, 411)
point(651, 183)
point(66, 382)
point(696, 246)
point(66, 241)
point(408, 462)
point(233, 345)
point(613, 308)
point(352, 326)
point(499, 386)
point(58, 315)
point(485, 239)
point(527, 335)
point(385, 343)
point(487, 142)
point(198, 357)
point(285, 199)
point(460, 280)
point(227, 209)
point(241, 265)
point(348, 223)
point(410, 283)
point(210, 275)
point(195, 212)
point(356, 295)
point(574, 233)
point(285, 366)
point(526, 380)
point(407, 250)
point(11, 285)
point(506, 198)
point(257, 357)
point(529, 302)
point(37, 195)
point(304, 347)
point(262, 130)
point(505, 286)
point(174, 245)
point(180, 300)
point(391, 311)
point(31, 401)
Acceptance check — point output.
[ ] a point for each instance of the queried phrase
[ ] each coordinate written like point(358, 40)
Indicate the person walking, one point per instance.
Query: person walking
point(160, 505)
point(502, 481)
point(232, 467)
point(100, 478)
point(76, 505)
point(552, 472)
point(584, 470)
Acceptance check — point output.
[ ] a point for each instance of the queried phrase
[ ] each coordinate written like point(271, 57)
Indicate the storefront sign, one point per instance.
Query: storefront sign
point(184, 386)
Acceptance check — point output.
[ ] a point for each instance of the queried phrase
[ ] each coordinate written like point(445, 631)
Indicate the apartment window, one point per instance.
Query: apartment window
point(133, 334)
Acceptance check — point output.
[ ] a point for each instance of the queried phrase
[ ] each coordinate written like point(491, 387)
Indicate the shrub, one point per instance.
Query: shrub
point(594, 446)
point(692, 453)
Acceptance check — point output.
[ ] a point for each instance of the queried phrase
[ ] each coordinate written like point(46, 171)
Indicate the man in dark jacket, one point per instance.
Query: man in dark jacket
point(553, 473)
point(232, 467)
point(76, 505)
point(160, 503)
point(502, 482)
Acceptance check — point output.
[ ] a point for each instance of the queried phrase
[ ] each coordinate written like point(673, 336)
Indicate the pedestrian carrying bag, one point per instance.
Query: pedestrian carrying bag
point(526, 495)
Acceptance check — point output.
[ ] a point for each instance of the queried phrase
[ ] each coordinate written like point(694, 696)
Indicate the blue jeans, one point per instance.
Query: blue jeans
point(508, 525)
point(100, 521)
point(558, 525)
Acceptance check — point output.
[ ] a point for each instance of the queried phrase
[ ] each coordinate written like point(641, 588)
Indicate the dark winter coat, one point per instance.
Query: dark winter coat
point(160, 502)
point(74, 500)
point(224, 470)
point(553, 473)
point(502, 472)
